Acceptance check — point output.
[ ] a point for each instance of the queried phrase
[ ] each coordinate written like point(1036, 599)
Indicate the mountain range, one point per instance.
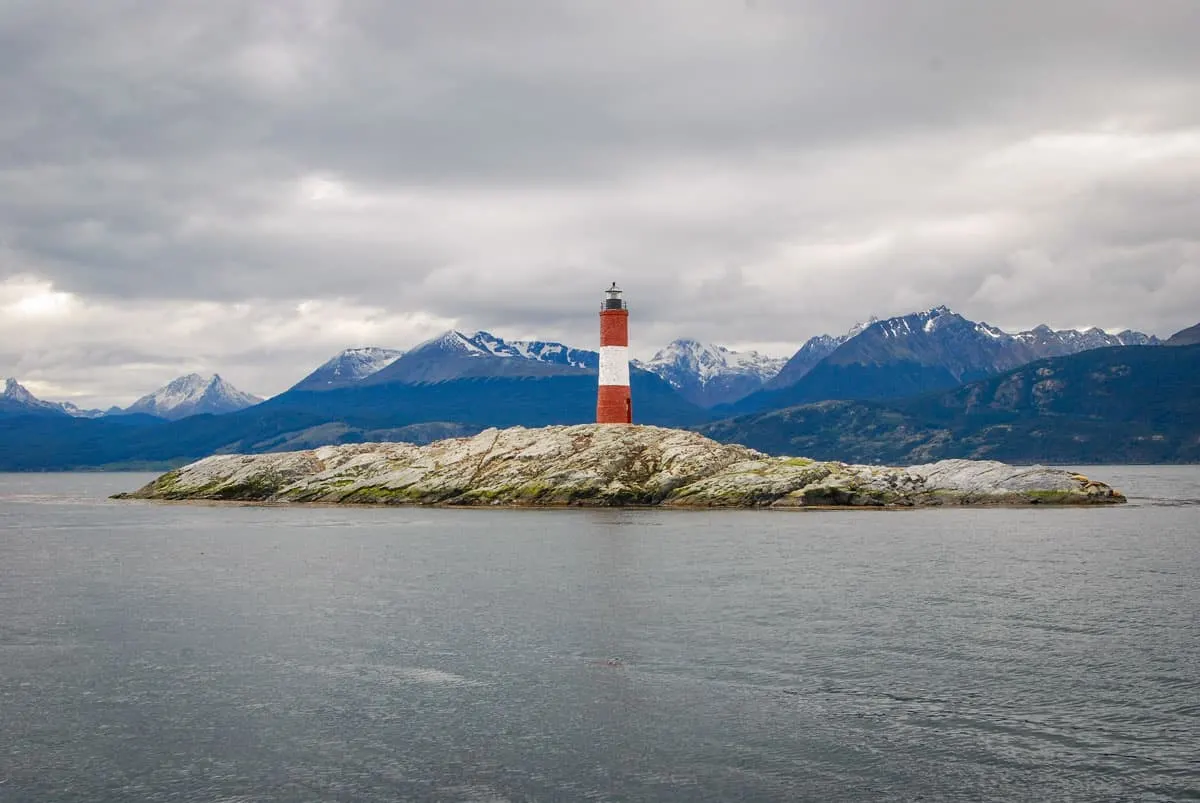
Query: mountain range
point(461, 382)
point(17, 400)
point(458, 355)
point(183, 397)
point(1125, 404)
point(927, 350)
point(936, 349)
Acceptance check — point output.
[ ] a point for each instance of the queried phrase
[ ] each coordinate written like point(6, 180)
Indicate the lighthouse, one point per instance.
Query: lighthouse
point(613, 402)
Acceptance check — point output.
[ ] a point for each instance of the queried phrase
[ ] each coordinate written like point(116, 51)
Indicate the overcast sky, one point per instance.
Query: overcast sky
point(249, 187)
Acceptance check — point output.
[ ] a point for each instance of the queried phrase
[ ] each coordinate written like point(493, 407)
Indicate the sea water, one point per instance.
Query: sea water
point(171, 652)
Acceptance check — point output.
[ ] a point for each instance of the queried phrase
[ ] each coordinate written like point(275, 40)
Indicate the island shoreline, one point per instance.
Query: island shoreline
point(606, 466)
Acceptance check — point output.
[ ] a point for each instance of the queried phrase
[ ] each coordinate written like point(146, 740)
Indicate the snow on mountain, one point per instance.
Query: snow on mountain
point(348, 367)
point(469, 343)
point(192, 395)
point(15, 392)
point(708, 374)
point(78, 412)
point(812, 352)
point(708, 361)
point(922, 352)
point(459, 355)
point(703, 373)
point(1042, 341)
point(930, 321)
point(1047, 342)
point(17, 399)
point(939, 337)
point(556, 353)
point(485, 343)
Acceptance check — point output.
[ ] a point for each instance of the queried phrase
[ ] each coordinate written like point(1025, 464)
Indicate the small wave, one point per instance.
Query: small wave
point(474, 793)
point(392, 675)
point(1163, 501)
point(432, 677)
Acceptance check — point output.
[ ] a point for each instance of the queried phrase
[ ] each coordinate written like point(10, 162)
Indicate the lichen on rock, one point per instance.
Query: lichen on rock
point(606, 465)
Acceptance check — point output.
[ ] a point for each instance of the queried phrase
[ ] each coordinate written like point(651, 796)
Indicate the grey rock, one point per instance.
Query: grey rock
point(605, 465)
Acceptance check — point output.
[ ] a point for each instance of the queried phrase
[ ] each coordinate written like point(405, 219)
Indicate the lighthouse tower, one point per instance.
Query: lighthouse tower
point(613, 402)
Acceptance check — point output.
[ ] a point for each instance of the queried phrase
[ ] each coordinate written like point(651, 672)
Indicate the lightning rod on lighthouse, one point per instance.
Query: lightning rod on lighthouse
point(613, 402)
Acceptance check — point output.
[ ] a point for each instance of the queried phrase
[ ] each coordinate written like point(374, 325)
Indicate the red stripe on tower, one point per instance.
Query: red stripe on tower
point(614, 405)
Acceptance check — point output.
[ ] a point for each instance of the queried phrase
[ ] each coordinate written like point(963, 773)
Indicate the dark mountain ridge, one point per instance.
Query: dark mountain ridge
point(809, 355)
point(1132, 404)
point(908, 355)
point(1187, 337)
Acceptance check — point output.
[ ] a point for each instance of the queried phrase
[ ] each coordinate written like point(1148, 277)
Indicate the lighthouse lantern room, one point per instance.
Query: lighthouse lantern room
point(613, 402)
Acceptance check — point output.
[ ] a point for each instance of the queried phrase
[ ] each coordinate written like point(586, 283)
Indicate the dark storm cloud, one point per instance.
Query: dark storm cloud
point(754, 172)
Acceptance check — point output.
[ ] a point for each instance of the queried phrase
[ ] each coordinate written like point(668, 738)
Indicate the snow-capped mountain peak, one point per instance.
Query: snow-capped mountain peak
point(369, 356)
point(942, 339)
point(183, 389)
point(488, 343)
point(193, 394)
point(17, 398)
point(929, 321)
point(78, 412)
point(855, 331)
point(348, 367)
point(469, 343)
point(482, 344)
point(709, 374)
point(451, 339)
point(455, 354)
point(556, 353)
point(707, 360)
point(15, 392)
point(990, 331)
point(1047, 342)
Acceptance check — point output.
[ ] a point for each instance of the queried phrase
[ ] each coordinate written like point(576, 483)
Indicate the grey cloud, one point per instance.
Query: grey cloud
point(753, 172)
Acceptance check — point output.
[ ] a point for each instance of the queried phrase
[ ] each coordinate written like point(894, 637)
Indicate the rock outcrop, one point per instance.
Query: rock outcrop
point(599, 465)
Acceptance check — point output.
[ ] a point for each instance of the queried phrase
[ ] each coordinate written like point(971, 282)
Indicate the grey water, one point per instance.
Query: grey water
point(159, 652)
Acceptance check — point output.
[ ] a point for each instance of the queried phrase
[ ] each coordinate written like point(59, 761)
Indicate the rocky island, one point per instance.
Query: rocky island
point(605, 465)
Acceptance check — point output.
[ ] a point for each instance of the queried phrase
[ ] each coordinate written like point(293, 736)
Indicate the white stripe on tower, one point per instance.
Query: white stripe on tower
point(614, 365)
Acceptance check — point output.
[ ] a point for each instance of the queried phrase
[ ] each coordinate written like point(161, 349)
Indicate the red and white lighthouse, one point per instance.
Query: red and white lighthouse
point(613, 402)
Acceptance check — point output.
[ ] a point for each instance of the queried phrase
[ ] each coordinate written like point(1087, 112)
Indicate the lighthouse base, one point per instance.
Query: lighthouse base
point(614, 405)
